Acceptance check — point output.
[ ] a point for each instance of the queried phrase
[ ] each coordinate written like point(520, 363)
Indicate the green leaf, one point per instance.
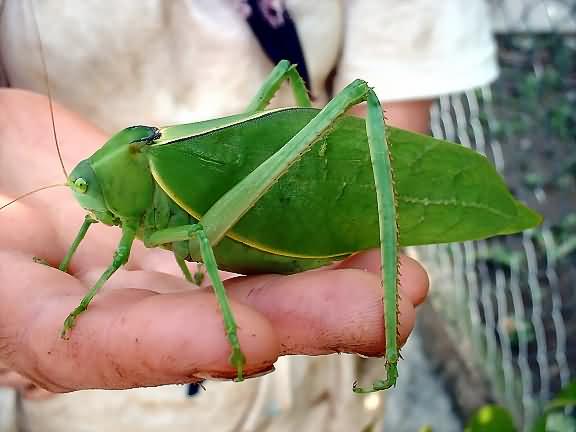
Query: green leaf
point(555, 422)
point(554, 419)
point(491, 418)
point(566, 398)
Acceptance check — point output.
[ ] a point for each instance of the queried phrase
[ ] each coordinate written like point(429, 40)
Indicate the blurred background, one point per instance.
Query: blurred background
point(502, 326)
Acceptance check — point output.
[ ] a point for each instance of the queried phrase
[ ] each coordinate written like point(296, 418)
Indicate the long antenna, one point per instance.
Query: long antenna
point(47, 84)
point(30, 193)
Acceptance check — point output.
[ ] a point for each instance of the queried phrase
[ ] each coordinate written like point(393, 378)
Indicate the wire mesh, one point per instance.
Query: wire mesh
point(533, 15)
point(512, 300)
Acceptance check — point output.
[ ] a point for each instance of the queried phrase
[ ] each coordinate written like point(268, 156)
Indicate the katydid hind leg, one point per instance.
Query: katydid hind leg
point(196, 234)
point(282, 72)
point(120, 258)
point(237, 201)
point(386, 199)
point(230, 207)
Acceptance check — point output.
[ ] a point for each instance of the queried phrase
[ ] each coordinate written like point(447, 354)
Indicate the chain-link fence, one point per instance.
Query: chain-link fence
point(533, 16)
point(513, 300)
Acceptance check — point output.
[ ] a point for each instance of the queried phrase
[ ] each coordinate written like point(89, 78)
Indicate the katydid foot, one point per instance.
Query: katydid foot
point(390, 381)
point(70, 320)
point(42, 261)
point(198, 276)
point(238, 360)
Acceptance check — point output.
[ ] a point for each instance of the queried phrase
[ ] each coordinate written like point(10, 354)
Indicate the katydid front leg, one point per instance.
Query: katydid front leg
point(88, 221)
point(222, 216)
point(120, 258)
point(189, 232)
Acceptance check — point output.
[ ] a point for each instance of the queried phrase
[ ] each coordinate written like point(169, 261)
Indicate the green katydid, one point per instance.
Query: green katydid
point(217, 191)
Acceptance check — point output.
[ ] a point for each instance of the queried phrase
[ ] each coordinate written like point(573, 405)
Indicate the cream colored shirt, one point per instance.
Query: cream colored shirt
point(163, 62)
point(158, 62)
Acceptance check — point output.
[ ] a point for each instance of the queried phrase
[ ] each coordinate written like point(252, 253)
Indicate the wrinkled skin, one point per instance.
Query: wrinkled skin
point(148, 327)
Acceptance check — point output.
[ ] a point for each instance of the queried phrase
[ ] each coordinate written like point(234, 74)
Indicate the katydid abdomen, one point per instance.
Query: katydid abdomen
point(325, 205)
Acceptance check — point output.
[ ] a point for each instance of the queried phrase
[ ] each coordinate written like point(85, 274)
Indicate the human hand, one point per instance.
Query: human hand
point(25, 387)
point(148, 327)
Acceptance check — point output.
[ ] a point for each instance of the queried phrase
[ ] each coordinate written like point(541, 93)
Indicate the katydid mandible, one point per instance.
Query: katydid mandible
point(217, 191)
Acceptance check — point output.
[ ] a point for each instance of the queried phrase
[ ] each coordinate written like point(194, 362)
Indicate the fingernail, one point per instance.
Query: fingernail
point(220, 377)
point(207, 376)
point(265, 372)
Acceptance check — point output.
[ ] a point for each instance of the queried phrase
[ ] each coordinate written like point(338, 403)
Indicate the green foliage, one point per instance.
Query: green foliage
point(491, 418)
point(555, 418)
point(555, 422)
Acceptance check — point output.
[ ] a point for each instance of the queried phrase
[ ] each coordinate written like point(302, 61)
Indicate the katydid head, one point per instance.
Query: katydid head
point(115, 183)
point(86, 188)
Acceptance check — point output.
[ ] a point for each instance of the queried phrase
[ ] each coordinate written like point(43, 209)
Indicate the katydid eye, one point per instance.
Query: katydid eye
point(80, 185)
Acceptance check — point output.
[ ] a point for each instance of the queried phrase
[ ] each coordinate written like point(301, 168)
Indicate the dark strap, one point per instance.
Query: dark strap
point(276, 32)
